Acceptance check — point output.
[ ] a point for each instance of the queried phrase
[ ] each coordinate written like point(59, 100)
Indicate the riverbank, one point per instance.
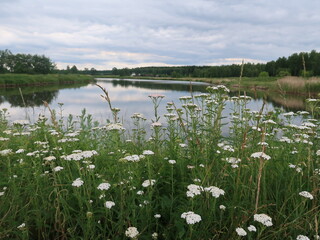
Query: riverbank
point(12, 80)
point(285, 85)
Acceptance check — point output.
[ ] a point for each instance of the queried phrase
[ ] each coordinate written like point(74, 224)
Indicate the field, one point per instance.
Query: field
point(183, 179)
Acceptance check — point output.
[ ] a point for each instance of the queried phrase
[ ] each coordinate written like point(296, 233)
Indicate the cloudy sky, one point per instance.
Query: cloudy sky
point(130, 33)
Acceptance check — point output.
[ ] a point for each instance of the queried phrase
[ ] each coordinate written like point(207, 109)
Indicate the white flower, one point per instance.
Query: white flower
point(115, 126)
point(264, 219)
point(318, 153)
point(21, 122)
point(20, 151)
point(109, 204)
point(222, 207)
point(5, 152)
point(191, 217)
point(241, 232)
point(132, 232)
point(154, 235)
point(156, 124)
point(194, 190)
point(269, 121)
point(22, 226)
point(132, 158)
point(306, 194)
point(57, 169)
point(172, 161)
point(140, 192)
point(157, 216)
point(1, 193)
point(252, 228)
point(148, 183)
point(77, 183)
point(104, 186)
point(260, 155)
point(50, 158)
point(147, 152)
point(215, 191)
point(302, 237)
point(91, 166)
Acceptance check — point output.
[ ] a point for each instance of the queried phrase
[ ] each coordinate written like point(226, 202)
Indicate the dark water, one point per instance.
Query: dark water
point(131, 96)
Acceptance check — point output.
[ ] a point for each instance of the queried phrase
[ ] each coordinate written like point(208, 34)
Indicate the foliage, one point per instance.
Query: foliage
point(25, 63)
point(72, 179)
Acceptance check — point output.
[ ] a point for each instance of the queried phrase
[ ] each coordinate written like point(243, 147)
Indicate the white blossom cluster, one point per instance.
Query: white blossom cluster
point(77, 183)
point(79, 155)
point(132, 232)
point(241, 232)
point(264, 219)
point(194, 190)
point(148, 183)
point(114, 126)
point(191, 217)
point(260, 155)
point(104, 186)
point(306, 195)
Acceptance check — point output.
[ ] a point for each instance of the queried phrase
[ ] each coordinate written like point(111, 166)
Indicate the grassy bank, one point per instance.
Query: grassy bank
point(285, 85)
point(14, 80)
point(72, 179)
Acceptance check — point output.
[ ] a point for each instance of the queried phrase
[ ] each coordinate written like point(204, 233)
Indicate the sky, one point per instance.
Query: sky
point(134, 33)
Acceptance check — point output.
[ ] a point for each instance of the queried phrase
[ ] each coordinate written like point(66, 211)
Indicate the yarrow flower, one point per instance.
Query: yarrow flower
point(57, 169)
point(104, 186)
point(21, 226)
point(132, 158)
point(77, 183)
point(147, 152)
point(191, 217)
point(260, 155)
point(109, 204)
point(114, 126)
point(241, 232)
point(264, 219)
point(306, 195)
point(215, 191)
point(172, 161)
point(132, 232)
point(302, 237)
point(252, 228)
point(148, 183)
point(194, 190)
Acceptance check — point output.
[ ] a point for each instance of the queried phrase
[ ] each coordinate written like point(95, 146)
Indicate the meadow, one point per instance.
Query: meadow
point(170, 177)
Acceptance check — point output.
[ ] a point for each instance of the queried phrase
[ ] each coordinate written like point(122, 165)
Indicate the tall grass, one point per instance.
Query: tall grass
point(11, 80)
point(74, 179)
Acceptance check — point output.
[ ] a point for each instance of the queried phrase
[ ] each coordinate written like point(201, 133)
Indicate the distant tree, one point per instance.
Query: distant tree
point(74, 69)
point(263, 74)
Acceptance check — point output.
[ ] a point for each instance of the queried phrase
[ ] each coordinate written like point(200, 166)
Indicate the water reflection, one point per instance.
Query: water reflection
point(129, 95)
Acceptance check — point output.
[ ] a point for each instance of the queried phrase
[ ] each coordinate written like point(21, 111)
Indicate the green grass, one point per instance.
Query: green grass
point(231, 183)
point(12, 80)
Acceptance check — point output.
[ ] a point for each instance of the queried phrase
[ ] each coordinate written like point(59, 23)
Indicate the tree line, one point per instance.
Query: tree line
point(298, 64)
point(25, 63)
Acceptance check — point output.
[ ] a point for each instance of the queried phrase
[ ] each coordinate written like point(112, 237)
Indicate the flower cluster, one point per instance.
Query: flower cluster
point(191, 217)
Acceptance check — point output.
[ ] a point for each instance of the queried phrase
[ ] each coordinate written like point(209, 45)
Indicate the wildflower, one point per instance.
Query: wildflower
point(5, 152)
point(132, 158)
point(194, 190)
point(264, 219)
point(318, 153)
point(22, 226)
point(252, 228)
point(148, 183)
point(50, 158)
point(154, 235)
point(147, 152)
point(157, 216)
point(114, 126)
point(156, 124)
point(183, 145)
point(241, 232)
point(191, 217)
point(260, 155)
point(156, 96)
point(4, 139)
point(20, 151)
point(77, 183)
point(222, 207)
point(306, 195)
point(104, 186)
point(269, 121)
point(132, 232)
point(215, 191)
point(140, 192)
point(20, 122)
point(109, 204)
point(302, 237)
point(1, 193)
point(172, 162)
point(57, 169)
